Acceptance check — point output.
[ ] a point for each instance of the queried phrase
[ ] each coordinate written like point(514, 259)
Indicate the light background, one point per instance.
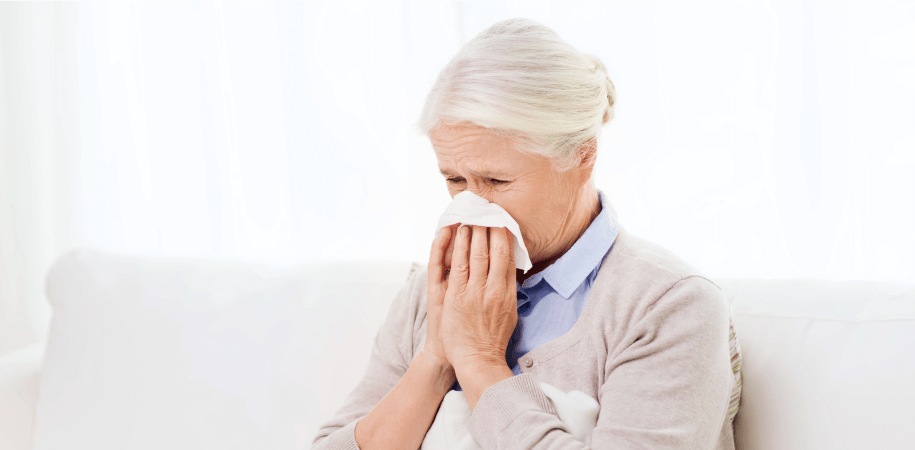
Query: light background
point(753, 139)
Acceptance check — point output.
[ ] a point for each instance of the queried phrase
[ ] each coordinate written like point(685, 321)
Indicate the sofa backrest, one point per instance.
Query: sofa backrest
point(176, 353)
point(153, 353)
point(826, 365)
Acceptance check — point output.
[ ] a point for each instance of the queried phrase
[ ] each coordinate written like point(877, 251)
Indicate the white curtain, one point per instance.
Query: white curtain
point(752, 139)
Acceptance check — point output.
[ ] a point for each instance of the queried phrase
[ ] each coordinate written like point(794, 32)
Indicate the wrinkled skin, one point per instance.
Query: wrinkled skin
point(471, 297)
point(552, 208)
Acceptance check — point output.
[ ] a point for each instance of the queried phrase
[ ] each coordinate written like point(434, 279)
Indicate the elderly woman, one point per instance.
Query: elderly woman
point(515, 118)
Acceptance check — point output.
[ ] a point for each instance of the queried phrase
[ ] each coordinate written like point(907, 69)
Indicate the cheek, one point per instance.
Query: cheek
point(526, 212)
point(534, 208)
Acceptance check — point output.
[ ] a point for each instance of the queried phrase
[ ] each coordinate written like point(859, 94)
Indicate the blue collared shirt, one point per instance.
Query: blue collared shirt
point(550, 301)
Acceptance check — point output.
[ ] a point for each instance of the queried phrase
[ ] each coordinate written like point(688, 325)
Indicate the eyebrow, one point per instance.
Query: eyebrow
point(478, 174)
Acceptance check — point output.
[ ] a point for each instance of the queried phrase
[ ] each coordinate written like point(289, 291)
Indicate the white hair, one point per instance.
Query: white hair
point(519, 79)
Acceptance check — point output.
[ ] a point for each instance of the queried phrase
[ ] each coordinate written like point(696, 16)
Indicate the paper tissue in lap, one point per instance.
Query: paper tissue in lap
point(470, 209)
point(576, 410)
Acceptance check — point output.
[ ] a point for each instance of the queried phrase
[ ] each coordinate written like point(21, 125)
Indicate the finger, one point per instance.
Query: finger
point(500, 250)
point(479, 256)
point(436, 256)
point(459, 265)
point(512, 272)
point(450, 249)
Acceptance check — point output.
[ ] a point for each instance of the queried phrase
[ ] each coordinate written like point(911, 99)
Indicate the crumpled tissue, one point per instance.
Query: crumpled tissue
point(471, 209)
point(576, 410)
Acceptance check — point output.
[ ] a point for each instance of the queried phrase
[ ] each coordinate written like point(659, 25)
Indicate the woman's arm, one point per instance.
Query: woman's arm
point(402, 418)
point(396, 401)
point(669, 389)
point(391, 357)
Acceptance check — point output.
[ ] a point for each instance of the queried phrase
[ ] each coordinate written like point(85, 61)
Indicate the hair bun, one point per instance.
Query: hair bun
point(611, 100)
point(608, 86)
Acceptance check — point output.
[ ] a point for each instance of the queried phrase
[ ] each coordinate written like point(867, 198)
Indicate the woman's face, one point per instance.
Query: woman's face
point(542, 200)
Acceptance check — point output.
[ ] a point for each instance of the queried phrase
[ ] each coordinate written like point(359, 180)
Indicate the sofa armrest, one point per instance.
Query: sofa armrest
point(19, 396)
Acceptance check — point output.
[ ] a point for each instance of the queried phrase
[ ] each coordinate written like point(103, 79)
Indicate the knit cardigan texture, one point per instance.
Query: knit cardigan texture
point(655, 346)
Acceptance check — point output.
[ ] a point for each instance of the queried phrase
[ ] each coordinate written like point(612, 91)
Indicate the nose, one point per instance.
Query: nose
point(478, 190)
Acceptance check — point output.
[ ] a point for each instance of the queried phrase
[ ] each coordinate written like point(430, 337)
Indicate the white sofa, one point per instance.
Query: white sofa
point(149, 353)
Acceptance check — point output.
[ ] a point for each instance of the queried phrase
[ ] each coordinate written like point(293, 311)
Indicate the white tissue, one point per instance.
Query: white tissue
point(576, 410)
point(470, 209)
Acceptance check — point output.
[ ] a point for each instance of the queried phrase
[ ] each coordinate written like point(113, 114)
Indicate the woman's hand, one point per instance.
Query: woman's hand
point(437, 284)
point(479, 313)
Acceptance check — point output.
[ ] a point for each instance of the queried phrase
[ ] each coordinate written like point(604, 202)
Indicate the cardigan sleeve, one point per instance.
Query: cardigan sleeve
point(669, 388)
point(392, 352)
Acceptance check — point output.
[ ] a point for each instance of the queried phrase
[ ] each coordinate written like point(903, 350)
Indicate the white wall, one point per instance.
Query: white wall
point(757, 139)
point(753, 139)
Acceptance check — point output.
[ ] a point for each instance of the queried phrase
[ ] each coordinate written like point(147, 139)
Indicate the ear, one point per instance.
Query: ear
point(588, 154)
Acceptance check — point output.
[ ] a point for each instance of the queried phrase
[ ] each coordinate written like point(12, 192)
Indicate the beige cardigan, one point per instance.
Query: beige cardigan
point(654, 345)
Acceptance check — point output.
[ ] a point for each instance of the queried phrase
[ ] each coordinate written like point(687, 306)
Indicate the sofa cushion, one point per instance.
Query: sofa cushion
point(148, 353)
point(826, 365)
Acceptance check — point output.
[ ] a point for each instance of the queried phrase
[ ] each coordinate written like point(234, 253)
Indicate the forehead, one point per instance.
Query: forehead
point(474, 148)
point(449, 139)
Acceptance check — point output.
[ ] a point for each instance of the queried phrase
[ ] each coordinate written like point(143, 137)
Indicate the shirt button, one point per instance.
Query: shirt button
point(527, 362)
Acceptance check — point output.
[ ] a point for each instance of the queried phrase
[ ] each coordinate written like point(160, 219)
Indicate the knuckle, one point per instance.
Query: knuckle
point(502, 250)
point(495, 292)
point(460, 300)
point(480, 257)
point(459, 266)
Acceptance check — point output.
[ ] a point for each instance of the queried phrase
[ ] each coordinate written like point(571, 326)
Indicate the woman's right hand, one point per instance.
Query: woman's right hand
point(437, 284)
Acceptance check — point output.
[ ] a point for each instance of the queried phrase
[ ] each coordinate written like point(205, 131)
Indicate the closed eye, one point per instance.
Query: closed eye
point(489, 180)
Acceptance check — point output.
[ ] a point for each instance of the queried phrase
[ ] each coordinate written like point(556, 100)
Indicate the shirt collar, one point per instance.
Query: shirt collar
point(571, 269)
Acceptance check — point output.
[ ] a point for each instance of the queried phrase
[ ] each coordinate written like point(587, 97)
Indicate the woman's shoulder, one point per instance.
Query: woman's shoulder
point(640, 272)
point(641, 259)
point(412, 298)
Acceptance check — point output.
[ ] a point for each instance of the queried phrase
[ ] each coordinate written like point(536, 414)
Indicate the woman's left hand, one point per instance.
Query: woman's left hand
point(480, 306)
